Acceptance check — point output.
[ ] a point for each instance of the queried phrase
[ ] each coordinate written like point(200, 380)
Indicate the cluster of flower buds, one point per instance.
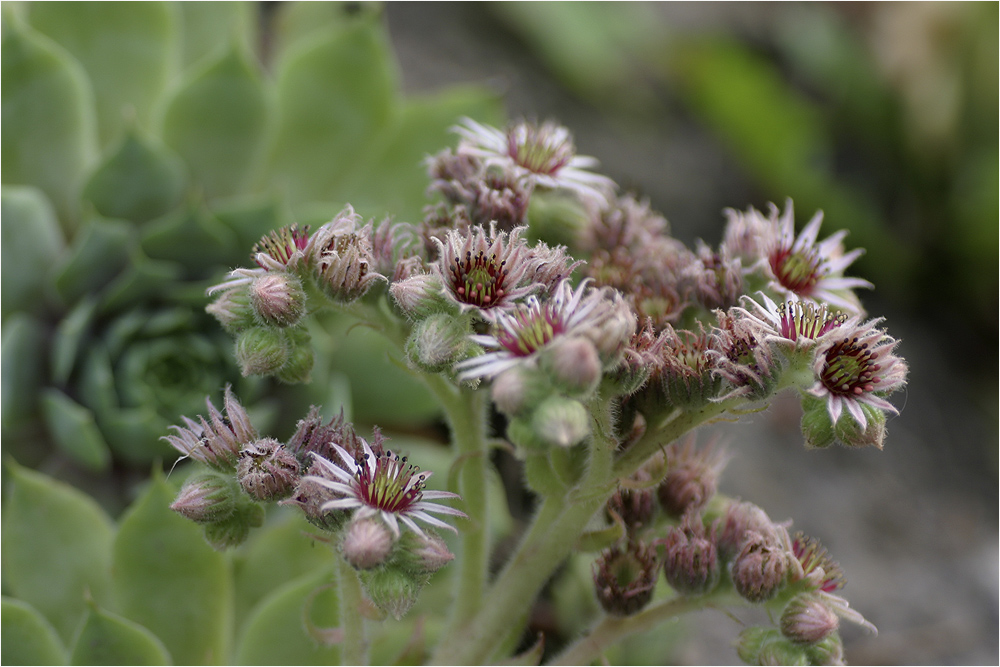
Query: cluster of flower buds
point(368, 497)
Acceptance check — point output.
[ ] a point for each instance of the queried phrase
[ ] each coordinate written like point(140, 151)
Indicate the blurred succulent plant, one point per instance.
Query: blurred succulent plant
point(146, 146)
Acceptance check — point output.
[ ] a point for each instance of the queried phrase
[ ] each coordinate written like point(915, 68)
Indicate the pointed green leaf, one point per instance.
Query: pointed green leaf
point(337, 94)
point(56, 547)
point(128, 51)
point(109, 639)
point(190, 236)
point(139, 180)
point(300, 21)
point(99, 252)
point(22, 364)
point(28, 639)
point(70, 335)
point(279, 552)
point(207, 24)
point(74, 429)
point(286, 628)
point(394, 180)
point(142, 280)
point(48, 118)
point(167, 578)
point(134, 435)
point(31, 242)
point(250, 218)
point(216, 122)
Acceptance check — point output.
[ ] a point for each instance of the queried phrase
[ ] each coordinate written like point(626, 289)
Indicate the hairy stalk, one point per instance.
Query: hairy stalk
point(354, 649)
point(611, 629)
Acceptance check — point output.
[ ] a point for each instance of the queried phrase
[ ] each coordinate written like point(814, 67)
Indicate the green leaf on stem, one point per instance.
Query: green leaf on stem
point(168, 579)
point(109, 639)
point(28, 639)
point(48, 118)
point(128, 51)
point(31, 242)
point(56, 547)
point(216, 121)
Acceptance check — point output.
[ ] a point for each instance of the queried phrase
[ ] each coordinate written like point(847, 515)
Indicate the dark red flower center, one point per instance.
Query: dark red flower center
point(391, 484)
point(797, 271)
point(478, 280)
point(534, 328)
point(850, 368)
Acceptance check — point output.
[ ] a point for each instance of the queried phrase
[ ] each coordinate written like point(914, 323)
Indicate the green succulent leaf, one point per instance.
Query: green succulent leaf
point(27, 638)
point(22, 364)
point(100, 250)
point(287, 627)
point(56, 547)
point(217, 121)
point(190, 236)
point(75, 430)
point(128, 51)
point(205, 23)
point(251, 218)
point(70, 336)
point(143, 279)
point(138, 181)
point(31, 242)
point(276, 554)
point(167, 578)
point(48, 119)
point(395, 178)
point(298, 22)
point(109, 639)
point(337, 95)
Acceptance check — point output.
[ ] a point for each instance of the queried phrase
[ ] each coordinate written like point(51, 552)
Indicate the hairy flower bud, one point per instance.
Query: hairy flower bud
point(421, 553)
point(740, 519)
point(393, 589)
point(690, 563)
point(234, 530)
point(561, 421)
point(367, 543)
point(574, 365)
point(437, 342)
point(510, 389)
point(759, 569)
point(624, 579)
point(310, 496)
point(261, 350)
point(298, 368)
point(266, 470)
point(207, 498)
point(421, 295)
point(808, 619)
point(232, 309)
point(278, 299)
point(692, 478)
point(766, 646)
point(634, 506)
point(341, 251)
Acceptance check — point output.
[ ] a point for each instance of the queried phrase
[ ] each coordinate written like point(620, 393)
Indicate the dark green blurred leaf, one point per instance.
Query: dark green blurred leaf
point(167, 578)
point(22, 367)
point(48, 118)
point(108, 639)
point(217, 120)
point(337, 94)
point(144, 279)
point(140, 180)
point(70, 335)
point(298, 22)
point(28, 639)
point(100, 250)
point(394, 180)
point(134, 434)
point(250, 218)
point(276, 633)
point(205, 25)
point(190, 236)
point(31, 242)
point(128, 50)
point(74, 429)
point(56, 547)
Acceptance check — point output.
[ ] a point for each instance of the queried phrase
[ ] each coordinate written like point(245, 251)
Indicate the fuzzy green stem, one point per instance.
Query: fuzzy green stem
point(612, 629)
point(354, 649)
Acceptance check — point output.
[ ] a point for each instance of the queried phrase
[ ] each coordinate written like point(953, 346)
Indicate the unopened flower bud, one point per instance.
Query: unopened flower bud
point(266, 470)
point(692, 478)
point(828, 651)
point(367, 543)
point(766, 646)
point(234, 530)
point(625, 578)
point(807, 619)
point(341, 251)
point(232, 309)
point(261, 350)
point(424, 554)
point(437, 342)
point(509, 391)
point(561, 421)
point(634, 506)
point(278, 299)
point(420, 295)
point(740, 519)
point(393, 589)
point(574, 365)
point(298, 367)
point(759, 569)
point(690, 563)
point(817, 429)
point(310, 496)
point(207, 498)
